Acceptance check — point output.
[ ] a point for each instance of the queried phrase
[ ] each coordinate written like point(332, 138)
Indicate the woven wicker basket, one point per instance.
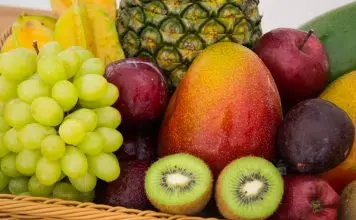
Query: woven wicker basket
point(26, 207)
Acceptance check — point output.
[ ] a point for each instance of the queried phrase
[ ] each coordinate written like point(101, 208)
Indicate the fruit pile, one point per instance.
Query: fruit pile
point(216, 119)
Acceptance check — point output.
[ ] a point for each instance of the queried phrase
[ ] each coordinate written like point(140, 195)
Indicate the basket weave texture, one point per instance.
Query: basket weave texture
point(27, 207)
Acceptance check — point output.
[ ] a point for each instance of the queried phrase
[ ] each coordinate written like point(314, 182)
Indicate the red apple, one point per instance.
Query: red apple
point(307, 198)
point(143, 92)
point(298, 62)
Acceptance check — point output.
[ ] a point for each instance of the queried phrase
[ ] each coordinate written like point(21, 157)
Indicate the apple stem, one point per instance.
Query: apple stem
point(310, 33)
point(317, 206)
point(35, 45)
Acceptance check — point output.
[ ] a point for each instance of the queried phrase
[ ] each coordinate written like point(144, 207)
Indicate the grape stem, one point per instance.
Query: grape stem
point(35, 45)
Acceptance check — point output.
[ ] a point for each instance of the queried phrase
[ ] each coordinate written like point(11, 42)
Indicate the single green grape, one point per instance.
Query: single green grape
point(3, 149)
point(18, 185)
point(108, 117)
point(38, 189)
point(47, 111)
point(51, 69)
point(53, 147)
point(26, 161)
point(108, 99)
point(72, 131)
point(7, 89)
point(71, 61)
point(18, 64)
point(4, 180)
point(17, 113)
point(91, 87)
point(48, 171)
point(65, 94)
point(11, 141)
point(8, 166)
point(74, 163)
point(92, 66)
point(92, 144)
point(65, 191)
point(83, 53)
point(32, 135)
point(3, 125)
point(86, 183)
point(31, 89)
point(113, 139)
point(87, 196)
point(50, 49)
point(105, 166)
point(87, 117)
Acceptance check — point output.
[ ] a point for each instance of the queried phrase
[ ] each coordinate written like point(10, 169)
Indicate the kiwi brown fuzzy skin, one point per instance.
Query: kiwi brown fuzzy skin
point(347, 209)
point(191, 208)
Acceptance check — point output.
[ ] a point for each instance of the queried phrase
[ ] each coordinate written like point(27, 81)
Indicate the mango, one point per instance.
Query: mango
point(226, 107)
point(88, 26)
point(60, 6)
point(26, 32)
point(46, 21)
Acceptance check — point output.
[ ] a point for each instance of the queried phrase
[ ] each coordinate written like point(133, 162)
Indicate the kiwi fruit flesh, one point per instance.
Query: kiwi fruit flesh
point(347, 209)
point(249, 188)
point(179, 184)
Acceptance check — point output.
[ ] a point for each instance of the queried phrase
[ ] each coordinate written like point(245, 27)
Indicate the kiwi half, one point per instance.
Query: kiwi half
point(179, 184)
point(249, 188)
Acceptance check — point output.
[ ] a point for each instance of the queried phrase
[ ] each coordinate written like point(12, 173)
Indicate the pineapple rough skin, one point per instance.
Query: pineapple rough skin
point(173, 32)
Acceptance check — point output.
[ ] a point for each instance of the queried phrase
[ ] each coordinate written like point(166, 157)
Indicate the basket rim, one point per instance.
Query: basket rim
point(25, 207)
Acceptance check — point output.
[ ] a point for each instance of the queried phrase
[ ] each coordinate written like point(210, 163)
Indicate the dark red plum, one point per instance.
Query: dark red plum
point(315, 137)
point(128, 190)
point(143, 91)
point(138, 146)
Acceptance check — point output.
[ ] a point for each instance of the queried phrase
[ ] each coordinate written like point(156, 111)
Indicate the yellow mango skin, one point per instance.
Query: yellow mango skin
point(25, 33)
point(106, 38)
point(59, 6)
point(46, 21)
point(9, 44)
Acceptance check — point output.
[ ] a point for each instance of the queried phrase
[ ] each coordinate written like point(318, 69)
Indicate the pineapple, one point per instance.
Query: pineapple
point(173, 32)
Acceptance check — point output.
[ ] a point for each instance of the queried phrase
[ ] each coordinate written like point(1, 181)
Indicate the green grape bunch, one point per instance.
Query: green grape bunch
point(58, 129)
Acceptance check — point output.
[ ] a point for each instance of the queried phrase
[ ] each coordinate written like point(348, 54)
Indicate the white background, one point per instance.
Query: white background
point(277, 13)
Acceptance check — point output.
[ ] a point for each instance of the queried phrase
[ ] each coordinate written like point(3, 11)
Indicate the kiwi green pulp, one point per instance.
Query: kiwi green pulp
point(249, 188)
point(179, 184)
